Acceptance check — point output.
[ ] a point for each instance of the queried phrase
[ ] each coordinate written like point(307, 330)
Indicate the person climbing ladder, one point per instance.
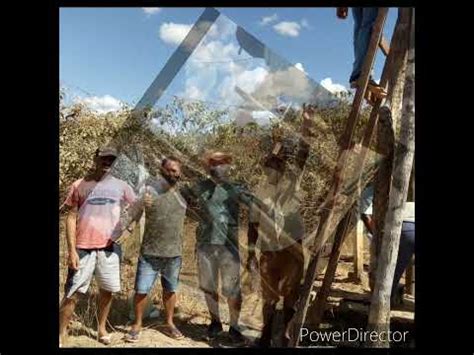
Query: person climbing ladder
point(364, 19)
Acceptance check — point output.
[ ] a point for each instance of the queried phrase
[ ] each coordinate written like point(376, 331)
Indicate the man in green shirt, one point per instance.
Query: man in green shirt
point(217, 247)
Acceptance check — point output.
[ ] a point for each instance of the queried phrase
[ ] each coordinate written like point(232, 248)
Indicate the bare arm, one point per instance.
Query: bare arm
point(71, 220)
point(303, 147)
point(252, 236)
point(192, 210)
point(368, 222)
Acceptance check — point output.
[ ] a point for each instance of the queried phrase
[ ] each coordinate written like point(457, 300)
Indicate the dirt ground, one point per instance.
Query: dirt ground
point(347, 304)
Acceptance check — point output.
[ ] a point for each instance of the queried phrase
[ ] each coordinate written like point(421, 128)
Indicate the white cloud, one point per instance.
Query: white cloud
point(291, 81)
point(248, 80)
point(225, 28)
point(192, 92)
point(300, 67)
point(287, 28)
point(151, 10)
point(268, 19)
point(174, 33)
point(305, 23)
point(333, 87)
point(215, 51)
point(212, 74)
point(243, 117)
point(103, 104)
point(202, 76)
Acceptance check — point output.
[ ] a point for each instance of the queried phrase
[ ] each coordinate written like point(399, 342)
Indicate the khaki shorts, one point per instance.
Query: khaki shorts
point(104, 263)
point(215, 260)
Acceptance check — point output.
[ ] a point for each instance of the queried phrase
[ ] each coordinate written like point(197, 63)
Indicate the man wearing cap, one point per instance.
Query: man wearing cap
point(217, 247)
point(94, 205)
point(278, 227)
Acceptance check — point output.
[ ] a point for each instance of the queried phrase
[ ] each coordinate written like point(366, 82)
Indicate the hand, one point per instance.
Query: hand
point(342, 12)
point(309, 111)
point(73, 260)
point(357, 148)
point(148, 200)
point(308, 114)
point(125, 234)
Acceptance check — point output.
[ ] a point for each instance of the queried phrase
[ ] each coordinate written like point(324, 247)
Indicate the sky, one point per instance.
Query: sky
point(110, 56)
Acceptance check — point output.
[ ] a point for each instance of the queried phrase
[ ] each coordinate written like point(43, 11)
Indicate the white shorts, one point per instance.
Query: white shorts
point(104, 263)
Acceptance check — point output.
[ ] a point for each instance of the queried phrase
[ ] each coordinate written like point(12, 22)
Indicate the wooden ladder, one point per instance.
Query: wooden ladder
point(328, 219)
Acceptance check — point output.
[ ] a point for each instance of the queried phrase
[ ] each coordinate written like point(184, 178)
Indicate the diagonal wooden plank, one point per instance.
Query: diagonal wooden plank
point(177, 59)
point(343, 228)
point(384, 46)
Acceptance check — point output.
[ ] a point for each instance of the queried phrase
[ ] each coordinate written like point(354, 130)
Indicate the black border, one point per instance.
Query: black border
point(41, 240)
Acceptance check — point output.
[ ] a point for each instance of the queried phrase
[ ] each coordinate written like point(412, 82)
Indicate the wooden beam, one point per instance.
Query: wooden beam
point(346, 225)
point(383, 179)
point(176, 61)
point(384, 46)
point(398, 55)
point(359, 250)
point(379, 312)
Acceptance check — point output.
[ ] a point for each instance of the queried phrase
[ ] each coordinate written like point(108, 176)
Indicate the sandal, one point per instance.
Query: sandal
point(105, 339)
point(376, 89)
point(132, 336)
point(173, 333)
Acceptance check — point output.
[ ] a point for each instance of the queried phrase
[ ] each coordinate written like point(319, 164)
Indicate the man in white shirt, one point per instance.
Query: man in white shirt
point(406, 249)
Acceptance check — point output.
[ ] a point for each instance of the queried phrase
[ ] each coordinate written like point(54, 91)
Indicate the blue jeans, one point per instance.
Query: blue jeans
point(150, 267)
point(405, 252)
point(364, 19)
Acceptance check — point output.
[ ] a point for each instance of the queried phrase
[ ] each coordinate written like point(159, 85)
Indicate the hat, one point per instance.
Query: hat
point(106, 152)
point(217, 157)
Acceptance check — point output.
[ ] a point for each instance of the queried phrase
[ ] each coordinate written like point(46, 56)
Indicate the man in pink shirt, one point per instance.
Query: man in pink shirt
point(94, 205)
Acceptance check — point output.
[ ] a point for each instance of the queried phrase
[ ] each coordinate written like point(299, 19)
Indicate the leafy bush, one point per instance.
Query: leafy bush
point(193, 127)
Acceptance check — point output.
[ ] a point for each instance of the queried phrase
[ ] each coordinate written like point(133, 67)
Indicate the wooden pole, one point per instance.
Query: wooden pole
point(410, 273)
point(346, 225)
point(379, 313)
point(398, 60)
point(383, 178)
point(359, 251)
point(395, 65)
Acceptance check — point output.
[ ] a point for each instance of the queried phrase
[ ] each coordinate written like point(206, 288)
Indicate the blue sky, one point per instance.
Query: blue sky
point(113, 54)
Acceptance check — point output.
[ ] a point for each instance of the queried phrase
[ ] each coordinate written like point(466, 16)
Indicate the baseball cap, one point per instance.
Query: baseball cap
point(106, 152)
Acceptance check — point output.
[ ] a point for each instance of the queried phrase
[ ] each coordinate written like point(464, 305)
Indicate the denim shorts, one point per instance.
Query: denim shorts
point(150, 267)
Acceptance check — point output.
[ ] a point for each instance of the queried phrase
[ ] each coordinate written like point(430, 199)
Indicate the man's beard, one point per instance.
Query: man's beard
point(171, 180)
